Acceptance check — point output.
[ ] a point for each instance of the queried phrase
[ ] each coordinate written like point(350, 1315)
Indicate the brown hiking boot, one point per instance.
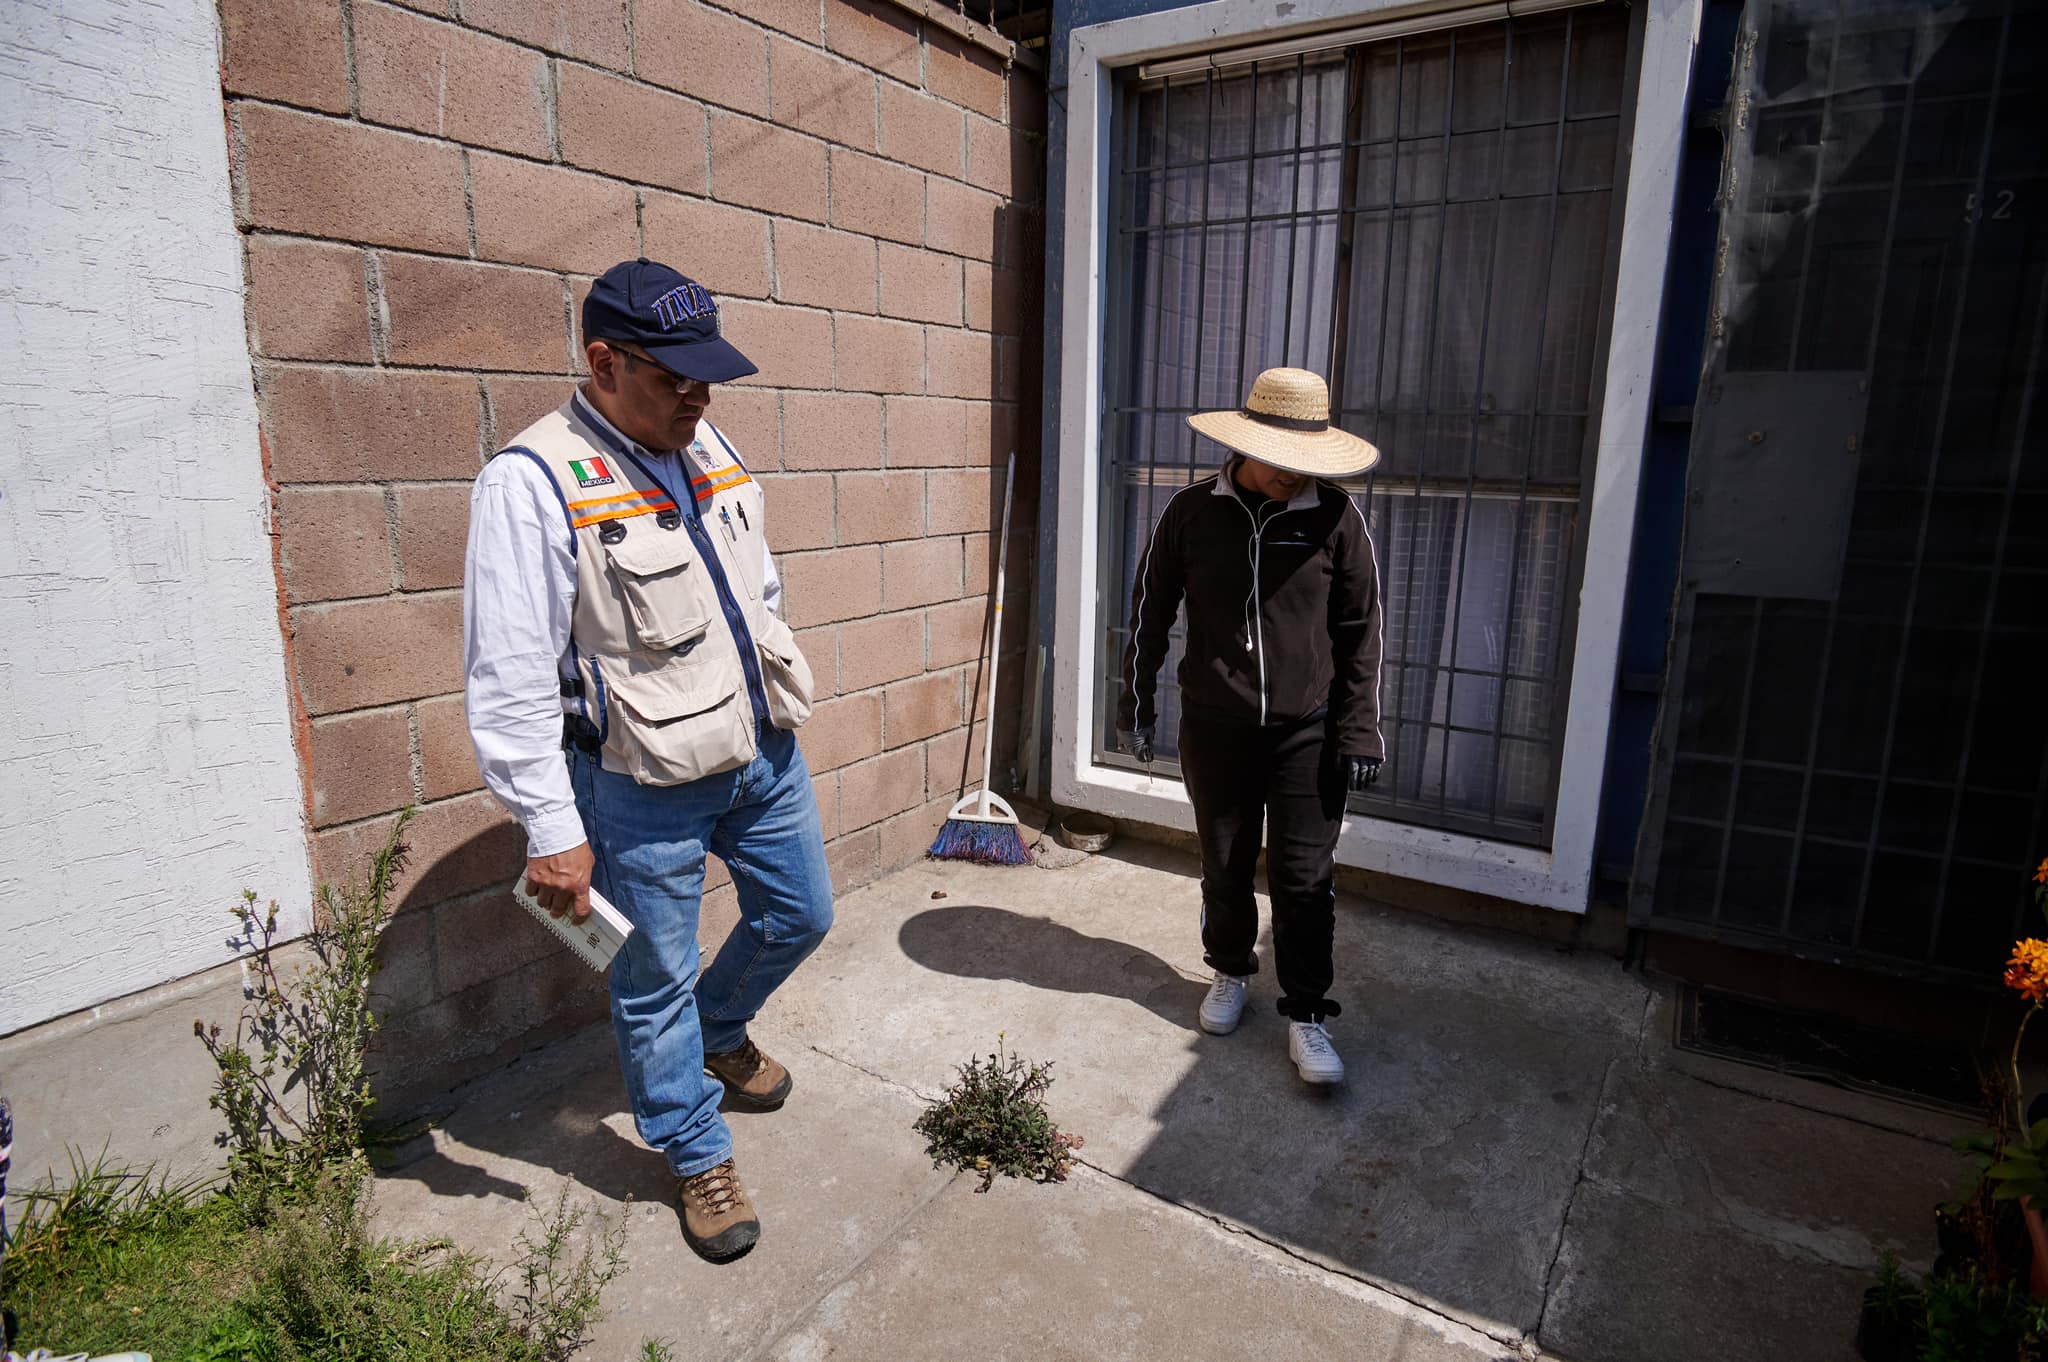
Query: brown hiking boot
point(718, 1221)
point(751, 1079)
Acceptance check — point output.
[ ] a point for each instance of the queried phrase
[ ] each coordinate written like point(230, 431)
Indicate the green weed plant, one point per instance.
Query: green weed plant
point(277, 1263)
point(994, 1121)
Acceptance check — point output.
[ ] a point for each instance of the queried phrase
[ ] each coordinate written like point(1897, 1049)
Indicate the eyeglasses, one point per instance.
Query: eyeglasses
point(634, 356)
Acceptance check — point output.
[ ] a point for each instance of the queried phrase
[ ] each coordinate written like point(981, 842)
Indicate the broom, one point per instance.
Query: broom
point(982, 827)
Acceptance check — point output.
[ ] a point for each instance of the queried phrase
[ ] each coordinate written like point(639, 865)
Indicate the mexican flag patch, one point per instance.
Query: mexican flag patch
point(590, 472)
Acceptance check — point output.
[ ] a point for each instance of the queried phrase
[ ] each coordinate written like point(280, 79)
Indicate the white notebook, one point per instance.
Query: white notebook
point(596, 939)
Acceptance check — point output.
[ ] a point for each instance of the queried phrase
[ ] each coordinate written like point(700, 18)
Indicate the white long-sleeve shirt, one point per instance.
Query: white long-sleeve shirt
point(518, 603)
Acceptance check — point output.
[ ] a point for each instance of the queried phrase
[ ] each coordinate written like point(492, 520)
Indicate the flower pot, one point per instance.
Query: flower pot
point(2037, 1272)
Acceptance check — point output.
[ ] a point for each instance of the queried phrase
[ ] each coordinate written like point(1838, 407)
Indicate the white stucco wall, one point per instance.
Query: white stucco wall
point(147, 772)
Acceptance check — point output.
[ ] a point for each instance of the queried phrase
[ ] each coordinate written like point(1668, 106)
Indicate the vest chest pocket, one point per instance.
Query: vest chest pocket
point(659, 582)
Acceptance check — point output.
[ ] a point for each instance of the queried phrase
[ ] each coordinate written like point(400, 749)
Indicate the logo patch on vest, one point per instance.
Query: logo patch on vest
point(591, 472)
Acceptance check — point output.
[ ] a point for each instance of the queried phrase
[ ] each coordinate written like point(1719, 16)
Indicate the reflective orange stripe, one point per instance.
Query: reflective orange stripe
point(627, 514)
point(706, 487)
point(618, 500)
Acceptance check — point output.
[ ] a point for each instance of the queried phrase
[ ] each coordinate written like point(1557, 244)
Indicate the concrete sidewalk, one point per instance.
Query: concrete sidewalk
point(1519, 1166)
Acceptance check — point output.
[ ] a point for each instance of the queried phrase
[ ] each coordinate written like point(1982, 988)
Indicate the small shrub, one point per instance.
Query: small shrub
point(558, 1295)
point(293, 1076)
point(994, 1121)
point(279, 1265)
point(1960, 1315)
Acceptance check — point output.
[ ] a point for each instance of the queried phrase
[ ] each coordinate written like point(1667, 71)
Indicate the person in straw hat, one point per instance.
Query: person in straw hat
point(1279, 688)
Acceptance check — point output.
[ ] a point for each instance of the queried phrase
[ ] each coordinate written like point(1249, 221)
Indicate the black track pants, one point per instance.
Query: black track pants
point(1240, 776)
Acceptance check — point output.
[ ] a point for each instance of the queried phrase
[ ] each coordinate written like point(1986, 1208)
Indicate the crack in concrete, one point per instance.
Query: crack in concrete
point(1565, 1221)
point(1513, 1338)
point(860, 1068)
point(1507, 1336)
point(1831, 1115)
point(886, 1239)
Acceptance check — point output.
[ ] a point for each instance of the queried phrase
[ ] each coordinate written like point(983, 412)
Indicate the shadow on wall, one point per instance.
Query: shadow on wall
point(1014, 395)
point(467, 980)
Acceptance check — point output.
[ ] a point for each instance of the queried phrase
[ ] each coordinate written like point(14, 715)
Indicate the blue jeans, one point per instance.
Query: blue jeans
point(649, 843)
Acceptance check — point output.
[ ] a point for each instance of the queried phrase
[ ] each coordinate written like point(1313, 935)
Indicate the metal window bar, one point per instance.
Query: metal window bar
point(1884, 260)
point(1948, 377)
point(1434, 519)
point(1549, 255)
point(1911, 808)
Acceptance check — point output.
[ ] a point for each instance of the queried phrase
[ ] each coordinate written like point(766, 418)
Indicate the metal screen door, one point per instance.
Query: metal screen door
point(1428, 221)
point(1852, 758)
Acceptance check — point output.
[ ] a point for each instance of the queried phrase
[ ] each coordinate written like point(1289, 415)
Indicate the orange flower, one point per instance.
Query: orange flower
point(2041, 874)
point(2027, 972)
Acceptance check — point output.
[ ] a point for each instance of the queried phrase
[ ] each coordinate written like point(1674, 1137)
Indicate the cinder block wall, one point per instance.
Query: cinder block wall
point(426, 193)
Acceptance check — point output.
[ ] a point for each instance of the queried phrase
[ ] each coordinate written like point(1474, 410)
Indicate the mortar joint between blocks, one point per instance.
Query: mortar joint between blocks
point(416, 751)
point(380, 309)
point(551, 102)
point(391, 565)
point(348, 58)
point(469, 204)
point(487, 422)
point(568, 325)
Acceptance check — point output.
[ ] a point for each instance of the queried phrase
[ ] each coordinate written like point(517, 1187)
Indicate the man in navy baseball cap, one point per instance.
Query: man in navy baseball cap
point(668, 315)
point(631, 686)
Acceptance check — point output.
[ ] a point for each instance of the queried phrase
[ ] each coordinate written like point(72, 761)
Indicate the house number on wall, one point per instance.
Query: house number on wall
point(2001, 206)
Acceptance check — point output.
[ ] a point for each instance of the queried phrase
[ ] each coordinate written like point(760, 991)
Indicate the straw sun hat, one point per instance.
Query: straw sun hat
point(1286, 423)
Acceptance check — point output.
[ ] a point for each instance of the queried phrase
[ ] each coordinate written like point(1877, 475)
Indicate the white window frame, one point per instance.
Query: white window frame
point(1560, 877)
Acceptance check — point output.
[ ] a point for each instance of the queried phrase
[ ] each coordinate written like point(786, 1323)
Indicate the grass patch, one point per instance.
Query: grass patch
point(115, 1260)
point(276, 1262)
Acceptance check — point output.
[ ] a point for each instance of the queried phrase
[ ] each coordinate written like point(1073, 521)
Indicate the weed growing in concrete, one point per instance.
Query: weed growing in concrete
point(558, 1294)
point(994, 1121)
point(293, 1082)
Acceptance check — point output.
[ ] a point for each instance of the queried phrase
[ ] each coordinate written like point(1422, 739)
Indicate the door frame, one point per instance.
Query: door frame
point(1561, 876)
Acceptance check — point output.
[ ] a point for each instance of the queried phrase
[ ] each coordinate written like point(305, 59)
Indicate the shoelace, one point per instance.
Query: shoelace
point(1315, 1042)
point(747, 1060)
point(716, 1187)
point(1224, 986)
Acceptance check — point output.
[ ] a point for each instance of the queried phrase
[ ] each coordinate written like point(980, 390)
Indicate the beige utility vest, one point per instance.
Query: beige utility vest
point(678, 655)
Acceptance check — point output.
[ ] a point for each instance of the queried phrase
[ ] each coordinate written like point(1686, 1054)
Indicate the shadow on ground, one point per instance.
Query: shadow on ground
point(1512, 1148)
point(995, 943)
point(1517, 1151)
point(562, 1112)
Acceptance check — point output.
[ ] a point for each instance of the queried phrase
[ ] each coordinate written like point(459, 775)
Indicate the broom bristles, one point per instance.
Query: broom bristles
point(981, 840)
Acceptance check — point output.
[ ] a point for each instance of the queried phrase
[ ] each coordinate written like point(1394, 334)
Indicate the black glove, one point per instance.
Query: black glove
point(1138, 744)
point(1360, 773)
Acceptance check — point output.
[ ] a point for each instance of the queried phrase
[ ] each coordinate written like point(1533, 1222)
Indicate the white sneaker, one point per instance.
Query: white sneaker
point(1315, 1059)
point(1224, 1007)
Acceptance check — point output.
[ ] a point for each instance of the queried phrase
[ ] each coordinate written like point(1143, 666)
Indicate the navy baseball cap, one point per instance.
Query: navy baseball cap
point(669, 315)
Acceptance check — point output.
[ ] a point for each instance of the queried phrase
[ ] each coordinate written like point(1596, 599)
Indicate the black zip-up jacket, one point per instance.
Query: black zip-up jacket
point(1313, 640)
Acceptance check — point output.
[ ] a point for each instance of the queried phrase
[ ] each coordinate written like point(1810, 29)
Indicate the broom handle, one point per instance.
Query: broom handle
point(995, 647)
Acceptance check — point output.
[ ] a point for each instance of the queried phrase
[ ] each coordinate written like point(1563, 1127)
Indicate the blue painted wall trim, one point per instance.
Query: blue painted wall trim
point(1660, 506)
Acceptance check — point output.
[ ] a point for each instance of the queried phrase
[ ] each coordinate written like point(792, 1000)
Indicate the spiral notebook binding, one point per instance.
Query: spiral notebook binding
point(595, 940)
